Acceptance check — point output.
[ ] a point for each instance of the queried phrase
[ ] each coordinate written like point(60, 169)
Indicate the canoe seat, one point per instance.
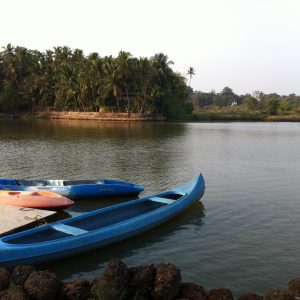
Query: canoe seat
point(55, 182)
point(162, 200)
point(68, 229)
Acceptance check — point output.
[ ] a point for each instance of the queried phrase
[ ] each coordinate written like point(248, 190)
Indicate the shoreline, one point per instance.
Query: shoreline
point(136, 117)
point(156, 281)
point(101, 116)
point(242, 116)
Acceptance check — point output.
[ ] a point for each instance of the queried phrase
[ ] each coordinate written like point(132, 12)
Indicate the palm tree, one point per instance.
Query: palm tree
point(144, 77)
point(112, 76)
point(162, 64)
point(190, 72)
point(122, 61)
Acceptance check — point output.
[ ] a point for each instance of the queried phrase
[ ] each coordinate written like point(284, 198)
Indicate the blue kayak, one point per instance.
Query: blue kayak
point(74, 188)
point(98, 228)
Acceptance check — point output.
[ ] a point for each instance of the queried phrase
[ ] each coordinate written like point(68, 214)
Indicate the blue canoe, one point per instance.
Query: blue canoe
point(97, 228)
point(74, 188)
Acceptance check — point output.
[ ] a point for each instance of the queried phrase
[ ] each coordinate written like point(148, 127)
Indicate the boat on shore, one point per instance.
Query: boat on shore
point(74, 189)
point(38, 200)
point(98, 228)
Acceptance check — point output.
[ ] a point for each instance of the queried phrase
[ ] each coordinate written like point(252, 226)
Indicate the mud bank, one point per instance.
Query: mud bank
point(101, 116)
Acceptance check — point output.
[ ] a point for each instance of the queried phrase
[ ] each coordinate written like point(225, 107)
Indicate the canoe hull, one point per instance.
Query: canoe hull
point(14, 254)
point(82, 189)
point(38, 200)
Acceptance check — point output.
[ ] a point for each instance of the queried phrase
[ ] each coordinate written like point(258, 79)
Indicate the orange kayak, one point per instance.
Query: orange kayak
point(39, 199)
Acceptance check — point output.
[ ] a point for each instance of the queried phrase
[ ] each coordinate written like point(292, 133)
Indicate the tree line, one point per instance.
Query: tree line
point(67, 80)
point(271, 103)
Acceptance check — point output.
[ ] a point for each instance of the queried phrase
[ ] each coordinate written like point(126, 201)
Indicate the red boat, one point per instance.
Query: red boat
point(39, 200)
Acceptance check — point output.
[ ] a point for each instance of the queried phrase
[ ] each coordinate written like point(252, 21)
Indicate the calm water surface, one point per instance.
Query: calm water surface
point(245, 236)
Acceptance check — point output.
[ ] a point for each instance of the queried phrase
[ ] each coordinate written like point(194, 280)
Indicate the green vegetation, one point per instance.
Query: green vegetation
point(228, 106)
point(67, 80)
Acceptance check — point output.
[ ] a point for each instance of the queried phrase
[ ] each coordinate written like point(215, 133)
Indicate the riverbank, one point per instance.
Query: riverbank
point(201, 116)
point(231, 115)
point(242, 115)
point(160, 282)
point(102, 116)
point(93, 116)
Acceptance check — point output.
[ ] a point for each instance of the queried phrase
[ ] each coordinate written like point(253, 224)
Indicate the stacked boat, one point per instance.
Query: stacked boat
point(74, 188)
point(51, 194)
point(94, 229)
point(36, 199)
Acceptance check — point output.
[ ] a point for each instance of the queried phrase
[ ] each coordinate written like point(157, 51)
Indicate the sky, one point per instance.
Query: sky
point(248, 45)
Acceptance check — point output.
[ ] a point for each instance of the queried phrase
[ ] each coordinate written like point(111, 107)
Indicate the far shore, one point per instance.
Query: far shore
point(196, 116)
point(242, 115)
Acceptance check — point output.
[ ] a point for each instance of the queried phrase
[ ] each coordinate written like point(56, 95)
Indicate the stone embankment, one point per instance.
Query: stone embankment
point(102, 116)
point(157, 282)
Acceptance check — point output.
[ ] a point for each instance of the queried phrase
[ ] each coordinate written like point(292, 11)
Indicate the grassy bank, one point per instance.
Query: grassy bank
point(241, 115)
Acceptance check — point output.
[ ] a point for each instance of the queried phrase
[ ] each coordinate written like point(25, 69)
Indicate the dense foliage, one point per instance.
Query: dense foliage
point(66, 79)
point(271, 103)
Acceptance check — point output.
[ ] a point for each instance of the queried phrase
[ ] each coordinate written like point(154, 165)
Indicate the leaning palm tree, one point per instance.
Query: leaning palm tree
point(190, 72)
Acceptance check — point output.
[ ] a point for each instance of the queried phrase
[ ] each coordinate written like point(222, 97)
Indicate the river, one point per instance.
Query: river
point(246, 234)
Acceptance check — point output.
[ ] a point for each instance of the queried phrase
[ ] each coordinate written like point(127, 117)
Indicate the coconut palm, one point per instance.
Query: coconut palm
point(123, 69)
point(190, 72)
point(69, 80)
point(162, 64)
point(112, 76)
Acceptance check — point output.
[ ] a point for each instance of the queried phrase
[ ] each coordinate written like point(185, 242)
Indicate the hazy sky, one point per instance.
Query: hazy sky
point(247, 45)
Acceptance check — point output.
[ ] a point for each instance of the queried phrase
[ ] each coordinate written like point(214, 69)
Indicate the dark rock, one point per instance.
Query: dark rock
point(42, 285)
point(192, 291)
point(276, 294)
point(16, 293)
point(251, 296)
point(294, 287)
point(78, 289)
point(4, 279)
point(219, 294)
point(142, 280)
point(113, 283)
point(20, 274)
point(167, 282)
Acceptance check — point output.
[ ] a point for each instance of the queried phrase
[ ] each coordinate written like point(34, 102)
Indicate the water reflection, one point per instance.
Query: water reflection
point(70, 129)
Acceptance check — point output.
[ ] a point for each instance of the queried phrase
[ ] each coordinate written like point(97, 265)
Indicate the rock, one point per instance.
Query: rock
point(251, 296)
point(16, 293)
point(114, 281)
point(276, 294)
point(192, 291)
point(219, 294)
point(78, 289)
point(20, 274)
point(4, 279)
point(167, 281)
point(142, 280)
point(294, 287)
point(42, 285)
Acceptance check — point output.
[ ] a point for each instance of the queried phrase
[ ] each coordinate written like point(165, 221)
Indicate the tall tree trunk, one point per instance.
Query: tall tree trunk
point(118, 105)
point(128, 108)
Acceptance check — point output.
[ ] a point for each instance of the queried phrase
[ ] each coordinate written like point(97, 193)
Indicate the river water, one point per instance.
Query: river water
point(245, 236)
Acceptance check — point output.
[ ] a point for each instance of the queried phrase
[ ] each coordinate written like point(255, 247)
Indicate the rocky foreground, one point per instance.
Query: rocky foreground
point(160, 281)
